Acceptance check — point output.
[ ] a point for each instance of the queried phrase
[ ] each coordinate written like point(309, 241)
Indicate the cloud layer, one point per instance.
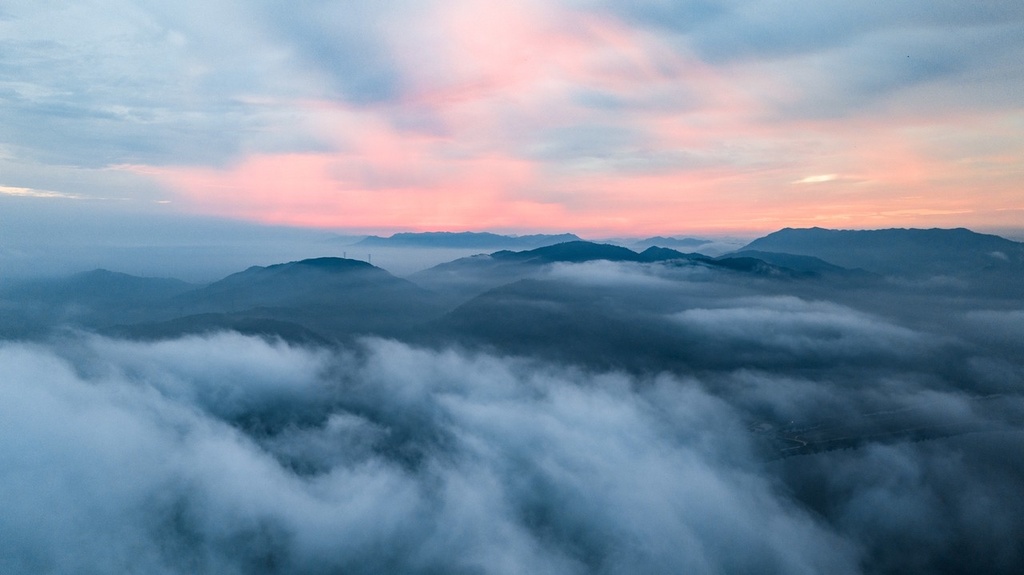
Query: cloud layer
point(187, 456)
point(610, 116)
point(230, 454)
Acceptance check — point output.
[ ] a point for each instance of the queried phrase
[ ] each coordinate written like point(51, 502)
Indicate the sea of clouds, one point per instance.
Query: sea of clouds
point(225, 453)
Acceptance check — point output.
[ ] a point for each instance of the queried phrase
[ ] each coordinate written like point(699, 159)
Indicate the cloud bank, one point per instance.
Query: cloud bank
point(128, 457)
point(231, 454)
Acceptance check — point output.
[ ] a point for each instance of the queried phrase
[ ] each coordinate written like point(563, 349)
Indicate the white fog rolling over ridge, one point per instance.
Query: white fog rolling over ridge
point(574, 408)
point(125, 456)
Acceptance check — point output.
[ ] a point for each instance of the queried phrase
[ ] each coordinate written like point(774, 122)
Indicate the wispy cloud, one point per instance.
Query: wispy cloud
point(817, 179)
point(603, 115)
point(33, 193)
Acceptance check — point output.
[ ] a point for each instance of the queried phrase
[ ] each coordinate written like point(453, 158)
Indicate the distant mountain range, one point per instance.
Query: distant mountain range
point(492, 241)
point(899, 252)
point(808, 375)
point(321, 298)
point(664, 242)
point(481, 240)
point(330, 298)
point(475, 274)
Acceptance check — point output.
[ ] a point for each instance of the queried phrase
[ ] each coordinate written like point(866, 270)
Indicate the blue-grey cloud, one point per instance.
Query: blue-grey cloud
point(139, 457)
point(122, 83)
point(343, 42)
point(846, 59)
point(602, 88)
point(232, 454)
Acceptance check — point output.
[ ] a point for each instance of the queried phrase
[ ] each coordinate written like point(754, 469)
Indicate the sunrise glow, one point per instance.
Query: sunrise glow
point(550, 116)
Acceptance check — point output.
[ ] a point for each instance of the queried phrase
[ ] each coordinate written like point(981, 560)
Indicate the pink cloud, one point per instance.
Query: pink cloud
point(463, 147)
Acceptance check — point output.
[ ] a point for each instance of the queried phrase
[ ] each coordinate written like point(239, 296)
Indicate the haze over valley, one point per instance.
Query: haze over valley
point(810, 402)
point(552, 287)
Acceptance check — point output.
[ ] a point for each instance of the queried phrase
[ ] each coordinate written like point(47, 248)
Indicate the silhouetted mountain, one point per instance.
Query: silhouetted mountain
point(482, 240)
point(663, 242)
point(597, 326)
point(899, 252)
point(577, 360)
point(331, 296)
point(751, 265)
point(99, 286)
point(746, 262)
point(659, 254)
point(634, 321)
point(583, 251)
point(808, 265)
point(302, 300)
point(336, 297)
point(467, 277)
point(88, 299)
point(571, 252)
point(290, 282)
point(464, 278)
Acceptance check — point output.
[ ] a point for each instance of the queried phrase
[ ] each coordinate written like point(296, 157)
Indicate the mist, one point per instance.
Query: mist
point(234, 454)
point(228, 453)
point(525, 413)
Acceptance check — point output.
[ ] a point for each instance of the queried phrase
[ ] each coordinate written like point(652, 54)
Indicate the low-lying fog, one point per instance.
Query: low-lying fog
point(594, 417)
point(234, 454)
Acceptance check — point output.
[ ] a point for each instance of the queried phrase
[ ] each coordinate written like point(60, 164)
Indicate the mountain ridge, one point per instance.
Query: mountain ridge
point(911, 252)
point(481, 240)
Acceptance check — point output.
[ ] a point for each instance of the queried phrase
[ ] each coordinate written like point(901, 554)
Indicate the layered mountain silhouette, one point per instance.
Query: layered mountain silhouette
point(91, 299)
point(327, 298)
point(570, 252)
point(797, 263)
point(98, 287)
point(640, 313)
point(810, 345)
point(293, 283)
point(898, 252)
point(474, 240)
point(465, 277)
point(308, 300)
point(665, 242)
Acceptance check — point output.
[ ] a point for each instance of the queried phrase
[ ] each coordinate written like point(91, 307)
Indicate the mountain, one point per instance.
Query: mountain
point(570, 252)
point(664, 242)
point(306, 300)
point(289, 283)
point(659, 254)
point(911, 253)
point(808, 265)
point(465, 278)
point(89, 299)
point(607, 327)
point(329, 296)
point(481, 240)
point(632, 321)
point(98, 287)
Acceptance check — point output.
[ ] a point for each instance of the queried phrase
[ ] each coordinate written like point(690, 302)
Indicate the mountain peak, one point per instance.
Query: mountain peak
point(897, 251)
point(327, 264)
point(573, 252)
point(465, 240)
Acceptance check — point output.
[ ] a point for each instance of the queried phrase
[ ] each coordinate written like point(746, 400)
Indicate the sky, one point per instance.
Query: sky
point(600, 117)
